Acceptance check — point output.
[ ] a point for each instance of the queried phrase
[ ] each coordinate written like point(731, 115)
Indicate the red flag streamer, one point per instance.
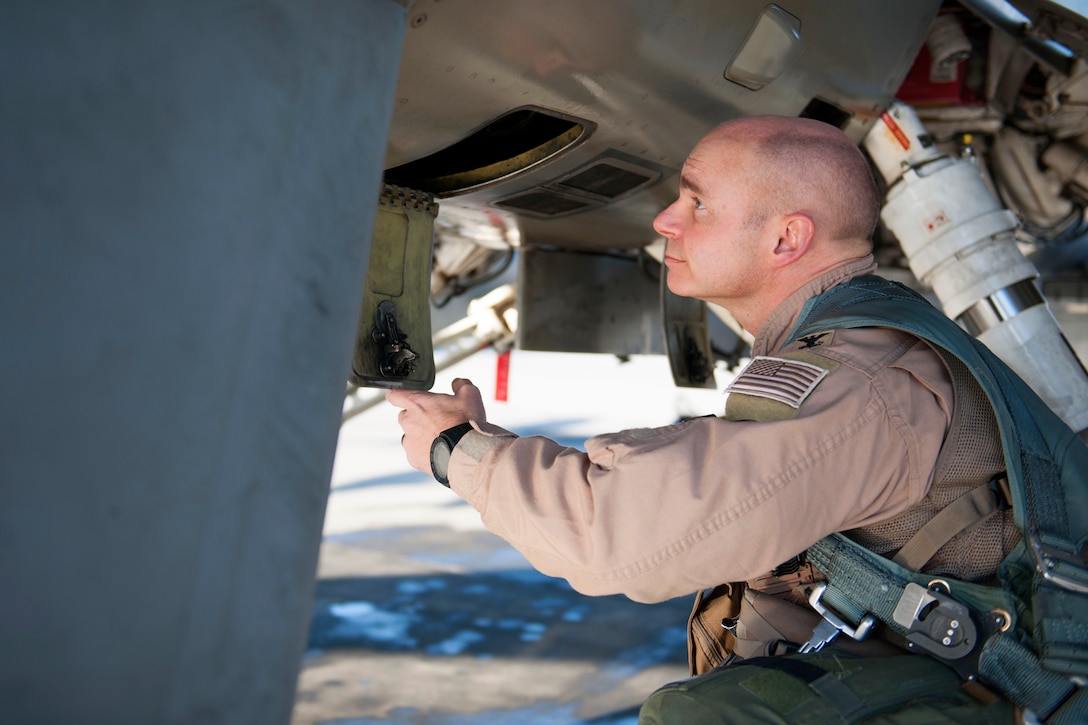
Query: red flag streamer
point(502, 376)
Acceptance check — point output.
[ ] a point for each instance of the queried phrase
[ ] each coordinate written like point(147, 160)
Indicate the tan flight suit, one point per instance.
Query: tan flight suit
point(663, 512)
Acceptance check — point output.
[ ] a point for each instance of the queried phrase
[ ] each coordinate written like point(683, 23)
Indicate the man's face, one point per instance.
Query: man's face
point(713, 248)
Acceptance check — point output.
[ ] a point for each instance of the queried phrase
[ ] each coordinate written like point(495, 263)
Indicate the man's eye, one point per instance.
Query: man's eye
point(699, 204)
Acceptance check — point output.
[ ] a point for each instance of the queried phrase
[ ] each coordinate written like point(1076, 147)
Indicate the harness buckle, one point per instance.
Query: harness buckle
point(1060, 567)
point(935, 622)
point(833, 624)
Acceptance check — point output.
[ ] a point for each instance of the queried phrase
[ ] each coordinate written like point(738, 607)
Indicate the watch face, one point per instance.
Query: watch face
point(440, 459)
point(442, 450)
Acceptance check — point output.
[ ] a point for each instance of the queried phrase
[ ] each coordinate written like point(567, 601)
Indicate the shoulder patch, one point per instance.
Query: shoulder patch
point(779, 379)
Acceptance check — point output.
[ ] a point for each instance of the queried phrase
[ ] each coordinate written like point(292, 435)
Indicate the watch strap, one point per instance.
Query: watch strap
point(450, 438)
point(454, 435)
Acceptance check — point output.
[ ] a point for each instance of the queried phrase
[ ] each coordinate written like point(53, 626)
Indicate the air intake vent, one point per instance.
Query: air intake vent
point(543, 203)
point(604, 179)
point(607, 179)
point(503, 148)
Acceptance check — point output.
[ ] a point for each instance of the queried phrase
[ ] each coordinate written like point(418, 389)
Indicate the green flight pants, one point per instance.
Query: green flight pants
point(825, 687)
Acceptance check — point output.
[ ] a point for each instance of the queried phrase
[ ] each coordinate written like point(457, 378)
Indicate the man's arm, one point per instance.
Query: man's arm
point(659, 513)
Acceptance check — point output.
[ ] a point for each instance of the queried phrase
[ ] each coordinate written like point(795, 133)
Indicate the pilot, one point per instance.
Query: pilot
point(867, 431)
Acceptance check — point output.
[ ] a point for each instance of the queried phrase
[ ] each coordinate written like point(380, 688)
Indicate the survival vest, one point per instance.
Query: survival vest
point(1027, 637)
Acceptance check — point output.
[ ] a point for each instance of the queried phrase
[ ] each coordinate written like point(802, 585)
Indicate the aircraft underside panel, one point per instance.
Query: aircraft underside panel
point(629, 86)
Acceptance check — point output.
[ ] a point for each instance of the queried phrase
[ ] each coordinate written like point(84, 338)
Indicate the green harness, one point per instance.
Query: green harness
point(1028, 637)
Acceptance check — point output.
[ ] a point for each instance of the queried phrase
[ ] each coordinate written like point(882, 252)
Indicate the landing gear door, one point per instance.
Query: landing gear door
point(393, 347)
point(687, 338)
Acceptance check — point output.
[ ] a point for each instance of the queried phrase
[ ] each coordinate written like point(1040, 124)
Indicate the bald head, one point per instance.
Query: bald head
point(766, 205)
point(806, 166)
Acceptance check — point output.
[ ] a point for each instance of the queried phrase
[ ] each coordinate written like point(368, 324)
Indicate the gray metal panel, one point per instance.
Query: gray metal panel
point(572, 302)
point(187, 194)
point(647, 73)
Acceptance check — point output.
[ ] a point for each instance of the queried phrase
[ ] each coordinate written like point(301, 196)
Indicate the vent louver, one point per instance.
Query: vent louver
point(543, 203)
point(606, 179)
point(603, 180)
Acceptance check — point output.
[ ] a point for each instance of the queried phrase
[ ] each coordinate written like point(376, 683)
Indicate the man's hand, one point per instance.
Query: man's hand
point(426, 414)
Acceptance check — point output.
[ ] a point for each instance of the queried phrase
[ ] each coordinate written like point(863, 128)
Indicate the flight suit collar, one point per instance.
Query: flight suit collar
point(777, 327)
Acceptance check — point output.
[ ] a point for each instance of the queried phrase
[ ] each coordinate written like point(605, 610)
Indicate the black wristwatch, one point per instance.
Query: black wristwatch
point(442, 449)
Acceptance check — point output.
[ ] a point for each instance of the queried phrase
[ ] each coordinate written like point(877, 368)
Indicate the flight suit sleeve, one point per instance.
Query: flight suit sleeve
point(656, 513)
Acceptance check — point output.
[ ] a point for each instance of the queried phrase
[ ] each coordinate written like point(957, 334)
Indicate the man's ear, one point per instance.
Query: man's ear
point(795, 237)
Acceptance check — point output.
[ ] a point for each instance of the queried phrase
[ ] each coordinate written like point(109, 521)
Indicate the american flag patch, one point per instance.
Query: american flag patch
point(787, 381)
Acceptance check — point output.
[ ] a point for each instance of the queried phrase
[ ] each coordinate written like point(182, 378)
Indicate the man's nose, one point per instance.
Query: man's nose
point(665, 223)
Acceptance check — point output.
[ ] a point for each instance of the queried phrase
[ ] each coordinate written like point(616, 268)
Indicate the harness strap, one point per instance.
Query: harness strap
point(877, 585)
point(1034, 442)
point(971, 508)
point(1045, 463)
point(1039, 501)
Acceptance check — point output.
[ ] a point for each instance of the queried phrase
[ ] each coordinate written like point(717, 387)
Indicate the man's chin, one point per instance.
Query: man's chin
point(677, 286)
